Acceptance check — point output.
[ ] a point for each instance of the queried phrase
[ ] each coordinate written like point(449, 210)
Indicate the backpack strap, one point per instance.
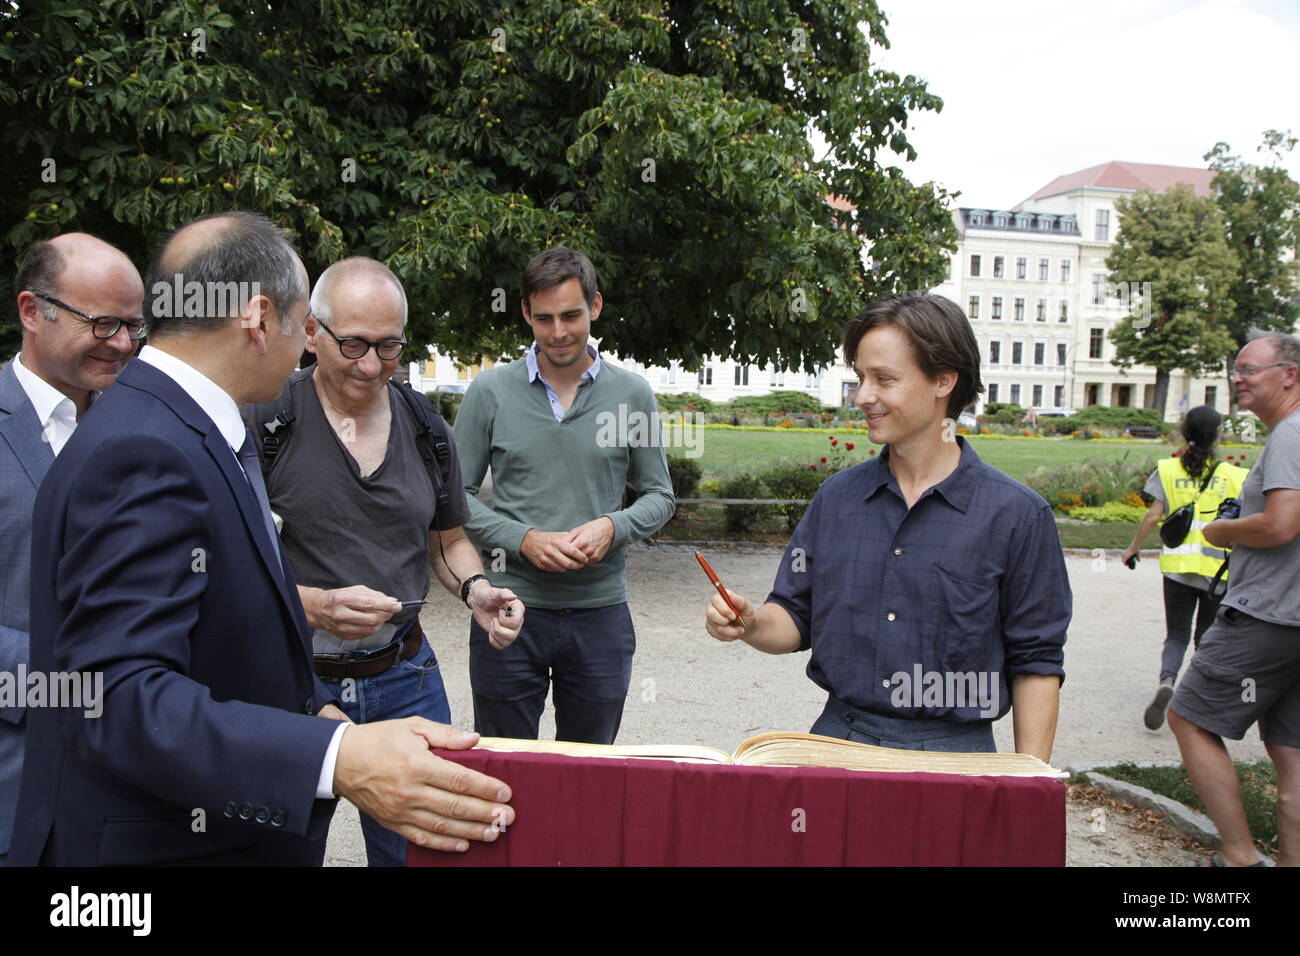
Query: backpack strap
point(272, 421)
point(431, 439)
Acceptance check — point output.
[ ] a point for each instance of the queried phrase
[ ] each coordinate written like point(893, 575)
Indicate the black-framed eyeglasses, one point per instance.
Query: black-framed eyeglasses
point(354, 348)
point(103, 326)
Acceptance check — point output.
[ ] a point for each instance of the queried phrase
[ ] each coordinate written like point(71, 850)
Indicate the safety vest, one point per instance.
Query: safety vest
point(1196, 555)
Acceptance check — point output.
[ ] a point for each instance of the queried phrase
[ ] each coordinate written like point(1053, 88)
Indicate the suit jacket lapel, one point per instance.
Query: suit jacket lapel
point(22, 429)
point(146, 378)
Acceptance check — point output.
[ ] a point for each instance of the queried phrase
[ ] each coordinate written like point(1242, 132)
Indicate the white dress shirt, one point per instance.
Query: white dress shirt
point(221, 408)
point(55, 411)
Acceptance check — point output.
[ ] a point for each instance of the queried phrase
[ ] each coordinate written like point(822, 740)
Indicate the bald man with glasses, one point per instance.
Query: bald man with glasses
point(364, 520)
point(79, 304)
point(1247, 668)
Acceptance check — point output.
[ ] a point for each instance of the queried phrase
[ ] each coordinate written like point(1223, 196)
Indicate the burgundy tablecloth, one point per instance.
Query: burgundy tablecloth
point(598, 811)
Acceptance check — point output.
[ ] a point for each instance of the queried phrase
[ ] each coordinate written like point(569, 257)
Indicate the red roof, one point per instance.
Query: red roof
point(1118, 175)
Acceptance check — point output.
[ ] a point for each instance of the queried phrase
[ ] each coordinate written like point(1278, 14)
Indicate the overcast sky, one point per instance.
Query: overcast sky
point(1033, 89)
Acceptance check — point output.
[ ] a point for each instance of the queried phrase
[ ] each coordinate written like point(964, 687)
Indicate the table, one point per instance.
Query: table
point(604, 811)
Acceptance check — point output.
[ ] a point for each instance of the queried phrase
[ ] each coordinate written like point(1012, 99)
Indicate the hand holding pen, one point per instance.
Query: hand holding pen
point(727, 610)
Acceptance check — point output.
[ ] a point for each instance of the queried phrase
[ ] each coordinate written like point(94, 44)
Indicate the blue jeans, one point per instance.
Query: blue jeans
point(587, 652)
point(848, 723)
point(410, 688)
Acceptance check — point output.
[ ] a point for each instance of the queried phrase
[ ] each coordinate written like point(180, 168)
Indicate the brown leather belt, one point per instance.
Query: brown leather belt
point(336, 667)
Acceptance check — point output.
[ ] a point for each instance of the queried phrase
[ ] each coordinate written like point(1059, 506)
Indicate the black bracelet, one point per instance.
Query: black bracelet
point(467, 584)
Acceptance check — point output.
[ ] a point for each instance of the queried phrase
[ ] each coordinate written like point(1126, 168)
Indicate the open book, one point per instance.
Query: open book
point(799, 750)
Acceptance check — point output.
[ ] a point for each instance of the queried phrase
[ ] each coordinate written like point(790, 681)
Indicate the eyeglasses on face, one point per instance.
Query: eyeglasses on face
point(103, 326)
point(1246, 371)
point(353, 347)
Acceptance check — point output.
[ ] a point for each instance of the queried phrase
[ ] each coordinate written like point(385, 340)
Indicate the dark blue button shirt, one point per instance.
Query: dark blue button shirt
point(969, 585)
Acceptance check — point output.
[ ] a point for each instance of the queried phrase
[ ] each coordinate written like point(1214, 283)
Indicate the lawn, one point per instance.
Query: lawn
point(728, 453)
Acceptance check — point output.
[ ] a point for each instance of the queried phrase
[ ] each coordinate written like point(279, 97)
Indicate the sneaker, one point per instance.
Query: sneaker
point(1154, 716)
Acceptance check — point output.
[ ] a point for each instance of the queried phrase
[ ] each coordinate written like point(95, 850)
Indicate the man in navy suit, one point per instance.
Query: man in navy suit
point(65, 362)
point(155, 564)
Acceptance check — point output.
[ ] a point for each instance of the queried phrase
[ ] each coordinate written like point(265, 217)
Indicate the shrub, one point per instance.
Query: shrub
point(685, 474)
point(678, 402)
point(775, 402)
point(447, 404)
point(1002, 413)
point(1111, 511)
point(792, 480)
point(744, 517)
point(1092, 482)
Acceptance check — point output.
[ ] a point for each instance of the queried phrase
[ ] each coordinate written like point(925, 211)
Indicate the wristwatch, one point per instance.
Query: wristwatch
point(468, 583)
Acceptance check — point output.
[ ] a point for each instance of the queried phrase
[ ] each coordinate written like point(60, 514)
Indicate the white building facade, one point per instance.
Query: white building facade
point(1033, 281)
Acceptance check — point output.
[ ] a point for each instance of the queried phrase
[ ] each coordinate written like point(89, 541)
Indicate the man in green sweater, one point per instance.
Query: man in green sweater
point(564, 433)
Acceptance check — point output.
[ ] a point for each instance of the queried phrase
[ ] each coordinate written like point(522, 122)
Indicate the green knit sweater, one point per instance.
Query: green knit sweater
point(554, 476)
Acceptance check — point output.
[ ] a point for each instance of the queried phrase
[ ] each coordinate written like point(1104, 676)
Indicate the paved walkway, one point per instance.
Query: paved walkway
point(689, 688)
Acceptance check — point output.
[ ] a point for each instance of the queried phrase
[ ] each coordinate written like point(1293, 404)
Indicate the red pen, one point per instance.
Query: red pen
point(721, 590)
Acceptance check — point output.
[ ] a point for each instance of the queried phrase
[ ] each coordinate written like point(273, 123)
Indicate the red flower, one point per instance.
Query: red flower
point(832, 438)
point(812, 467)
point(1173, 454)
point(849, 445)
point(871, 452)
point(823, 461)
point(834, 442)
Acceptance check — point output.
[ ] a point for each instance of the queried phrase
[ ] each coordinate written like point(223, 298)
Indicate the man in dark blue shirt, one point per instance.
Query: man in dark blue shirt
point(930, 587)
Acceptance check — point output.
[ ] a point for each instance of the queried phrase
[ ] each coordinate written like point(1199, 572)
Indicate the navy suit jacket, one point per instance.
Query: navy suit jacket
point(25, 456)
point(152, 566)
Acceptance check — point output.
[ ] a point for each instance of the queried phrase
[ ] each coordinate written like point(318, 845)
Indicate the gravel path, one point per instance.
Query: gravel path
point(688, 688)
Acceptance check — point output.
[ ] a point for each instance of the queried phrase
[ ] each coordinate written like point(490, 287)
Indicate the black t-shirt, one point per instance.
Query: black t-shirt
point(342, 529)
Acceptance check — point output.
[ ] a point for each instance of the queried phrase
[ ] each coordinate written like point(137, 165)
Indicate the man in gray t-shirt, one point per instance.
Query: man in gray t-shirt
point(1247, 668)
point(363, 521)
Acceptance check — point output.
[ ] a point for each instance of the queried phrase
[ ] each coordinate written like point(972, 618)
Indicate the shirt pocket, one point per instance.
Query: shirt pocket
point(961, 623)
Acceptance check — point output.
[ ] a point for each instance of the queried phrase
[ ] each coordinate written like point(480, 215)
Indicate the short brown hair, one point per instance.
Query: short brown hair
point(941, 339)
point(557, 265)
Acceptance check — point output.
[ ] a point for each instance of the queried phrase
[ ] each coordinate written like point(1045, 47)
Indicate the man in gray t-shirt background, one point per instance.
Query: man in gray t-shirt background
point(362, 523)
point(1247, 668)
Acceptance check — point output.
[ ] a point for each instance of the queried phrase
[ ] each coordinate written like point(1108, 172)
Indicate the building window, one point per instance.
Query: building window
point(1065, 270)
point(1015, 394)
point(705, 376)
point(1020, 309)
point(993, 392)
point(947, 269)
point(1040, 310)
point(974, 310)
point(742, 375)
point(975, 265)
point(977, 217)
point(1040, 350)
point(1038, 396)
point(1098, 288)
point(1103, 225)
point(1000, 220)
point(1065, 311)
point(1211, 395)
point(1060, 354)
point(1058, 398)
point(812, 380)
point(1044, 269)
point(1017, 355)
point(1094, 343)
point(997, 307)
point(995, 353)
point(1021, 265)
point(778, 378)
point(998, 263)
